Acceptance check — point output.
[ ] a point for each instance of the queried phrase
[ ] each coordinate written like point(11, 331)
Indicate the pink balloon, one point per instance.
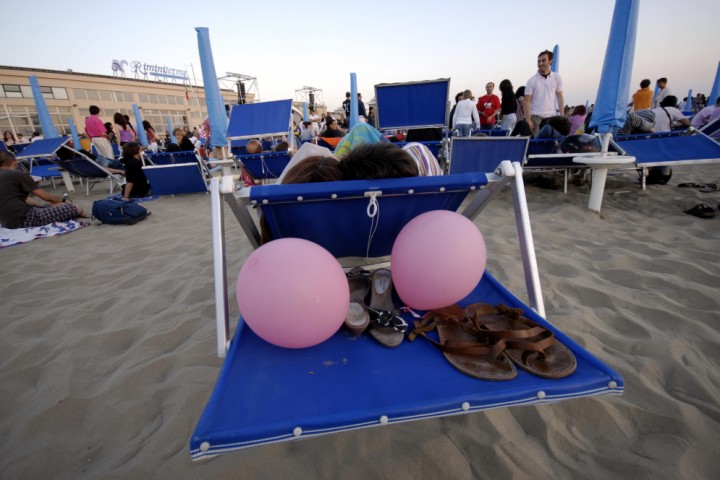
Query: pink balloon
point(293, 293)
point(437, 260)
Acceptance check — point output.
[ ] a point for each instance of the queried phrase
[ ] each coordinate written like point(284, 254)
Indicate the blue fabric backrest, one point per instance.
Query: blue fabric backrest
point(3, 147)
point(542, 146)
point(171, 158)
point(415, 104)
point(335, 214)
point(669, 149)
point(478, 154)
point(42, 148)
point(257, 119)
point(175, 179)
point(265, 165)
point(81, 167)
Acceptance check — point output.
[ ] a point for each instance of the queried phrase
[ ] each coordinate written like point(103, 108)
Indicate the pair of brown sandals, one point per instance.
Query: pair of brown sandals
point(486, 342)
point(378, 317)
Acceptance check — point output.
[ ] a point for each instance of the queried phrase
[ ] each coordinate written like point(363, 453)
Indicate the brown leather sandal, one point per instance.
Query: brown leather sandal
point(532, 347)
point(464, 346)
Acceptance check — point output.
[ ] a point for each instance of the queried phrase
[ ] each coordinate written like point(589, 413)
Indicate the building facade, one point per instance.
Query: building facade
point(69, 95)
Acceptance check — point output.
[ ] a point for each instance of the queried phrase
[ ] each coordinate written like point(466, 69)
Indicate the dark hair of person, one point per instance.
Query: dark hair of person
point(561, 123)
point(579, 110)
point(281, 147)
point(662, 79)
point(458, 97)
point(669, 101)
point(520, 92)
point(147, 125)
point(119, 119)
point(130, 149)
point(6, 158)
point(645, 83)
point(548, 53)
point(314, 169)
point(94, 110)
point(377, 160)
point(108, 127)
point(506, 87)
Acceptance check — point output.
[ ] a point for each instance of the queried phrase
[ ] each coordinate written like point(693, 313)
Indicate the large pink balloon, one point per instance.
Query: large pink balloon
point(437, 260)
point(293, 293)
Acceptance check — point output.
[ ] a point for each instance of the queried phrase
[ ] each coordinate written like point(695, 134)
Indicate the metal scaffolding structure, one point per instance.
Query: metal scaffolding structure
point(245, 85)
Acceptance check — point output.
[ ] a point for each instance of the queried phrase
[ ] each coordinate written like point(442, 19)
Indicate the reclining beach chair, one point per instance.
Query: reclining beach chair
point(261, 120)
point(177, 173)
point(265, 394)
point(484, 154)
point(80, 166)
point(712, 129)
point(412, 105)
point(668, 148)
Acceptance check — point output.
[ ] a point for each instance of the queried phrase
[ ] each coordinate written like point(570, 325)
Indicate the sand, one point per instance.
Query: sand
point(108, 350)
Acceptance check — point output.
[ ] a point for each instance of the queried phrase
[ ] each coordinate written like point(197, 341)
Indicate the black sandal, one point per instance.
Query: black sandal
point(701, 210)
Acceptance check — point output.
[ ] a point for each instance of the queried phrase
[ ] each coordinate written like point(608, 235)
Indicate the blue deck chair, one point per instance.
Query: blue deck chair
point(177, 173)
point(264, 394)
point(484, 154)
point(712, 129)
point(668, 148)
point(260, 120)
point(3, 146)
point(80, 166)
point(411, 105)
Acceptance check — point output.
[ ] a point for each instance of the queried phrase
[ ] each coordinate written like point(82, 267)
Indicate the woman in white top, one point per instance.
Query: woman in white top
point(466, 115)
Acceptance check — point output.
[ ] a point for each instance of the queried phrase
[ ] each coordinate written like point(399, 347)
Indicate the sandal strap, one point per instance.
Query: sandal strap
point(385, 318)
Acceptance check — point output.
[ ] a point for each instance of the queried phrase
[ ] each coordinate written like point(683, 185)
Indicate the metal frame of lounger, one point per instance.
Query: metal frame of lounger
point(266, 394)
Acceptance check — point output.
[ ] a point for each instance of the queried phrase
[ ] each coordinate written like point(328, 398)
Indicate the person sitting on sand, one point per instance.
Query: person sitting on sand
point(18, 210)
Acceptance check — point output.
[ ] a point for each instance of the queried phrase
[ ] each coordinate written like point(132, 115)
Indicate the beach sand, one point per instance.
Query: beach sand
point(108, 349)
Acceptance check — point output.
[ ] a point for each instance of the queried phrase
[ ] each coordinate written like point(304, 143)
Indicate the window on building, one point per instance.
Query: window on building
point(59, 93)
point(12, 91)
point(143, 98)
point(92, 95)
point(79, 94)
point(105, 95)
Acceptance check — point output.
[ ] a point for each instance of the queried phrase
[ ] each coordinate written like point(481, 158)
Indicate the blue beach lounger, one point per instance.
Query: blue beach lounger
point(175, 173)
point(260, 120)
point(669, 148)
point(413, 105)
point(484, 154)
point(265, 394)
point(80, 166)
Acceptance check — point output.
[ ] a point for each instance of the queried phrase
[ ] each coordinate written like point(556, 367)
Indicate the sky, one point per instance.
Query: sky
point(288, 45)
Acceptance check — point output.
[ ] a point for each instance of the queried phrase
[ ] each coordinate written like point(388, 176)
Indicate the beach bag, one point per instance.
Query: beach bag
point(117, 212)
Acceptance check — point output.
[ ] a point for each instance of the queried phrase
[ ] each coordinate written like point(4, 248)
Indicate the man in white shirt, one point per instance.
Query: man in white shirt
point(541, 90)
point(663, 93)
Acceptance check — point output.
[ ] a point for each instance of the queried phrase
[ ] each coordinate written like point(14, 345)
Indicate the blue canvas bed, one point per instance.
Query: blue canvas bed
point(260, 120)
point(265, 394)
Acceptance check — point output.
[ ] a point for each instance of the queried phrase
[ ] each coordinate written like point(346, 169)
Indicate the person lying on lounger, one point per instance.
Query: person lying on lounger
point(18, 210)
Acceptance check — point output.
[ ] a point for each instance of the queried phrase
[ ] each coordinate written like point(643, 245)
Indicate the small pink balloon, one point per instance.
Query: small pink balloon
point(437, 260)
point(293, 293)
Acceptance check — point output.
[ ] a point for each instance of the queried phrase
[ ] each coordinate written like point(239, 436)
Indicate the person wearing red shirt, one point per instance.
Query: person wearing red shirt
point(488, 106)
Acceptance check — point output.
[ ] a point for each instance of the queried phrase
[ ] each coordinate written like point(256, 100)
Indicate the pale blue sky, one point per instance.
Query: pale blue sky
point(291, 44)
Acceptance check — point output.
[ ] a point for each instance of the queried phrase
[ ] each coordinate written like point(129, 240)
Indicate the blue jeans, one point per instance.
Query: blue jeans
point(463, 130)
point(107, 163)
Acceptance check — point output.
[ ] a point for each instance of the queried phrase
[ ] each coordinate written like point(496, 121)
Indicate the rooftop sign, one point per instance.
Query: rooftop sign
point(143, 70)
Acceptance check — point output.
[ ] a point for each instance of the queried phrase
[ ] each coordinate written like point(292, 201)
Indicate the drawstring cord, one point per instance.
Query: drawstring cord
point(373, 211)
